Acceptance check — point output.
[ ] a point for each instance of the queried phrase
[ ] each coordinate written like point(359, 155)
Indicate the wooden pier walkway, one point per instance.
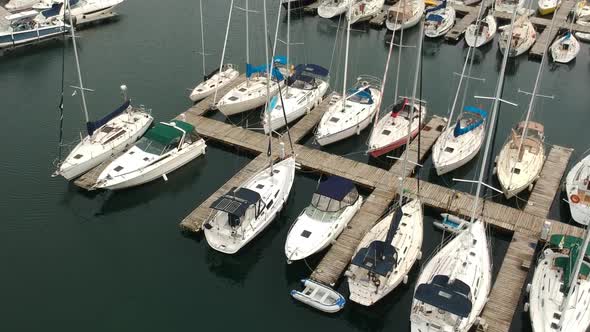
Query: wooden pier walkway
point(546, 38)
point(460, 26)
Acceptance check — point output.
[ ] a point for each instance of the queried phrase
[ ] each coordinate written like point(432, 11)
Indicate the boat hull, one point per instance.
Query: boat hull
point(208, 87)
point(9, 40)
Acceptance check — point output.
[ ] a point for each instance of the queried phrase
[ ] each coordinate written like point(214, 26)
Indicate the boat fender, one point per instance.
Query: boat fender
point(526, 307)
point(530, 187)
point(528, 288)
point(419, 255)
point(165, 177)
point(358, 129)
point(405, 279)
point(575, 199)
point(495, 170)
point(307, 110)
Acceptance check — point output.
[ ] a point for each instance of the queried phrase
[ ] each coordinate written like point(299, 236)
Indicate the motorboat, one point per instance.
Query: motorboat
point(523, 37)
point(480, 34)
point(30, 27)
point(439, 20)
point(319, 296)
point(363, 10)
point(565, 48)
point(547, 7)
point(84, 11)
point(404, 14)
point(333, 8)
point(577, 187)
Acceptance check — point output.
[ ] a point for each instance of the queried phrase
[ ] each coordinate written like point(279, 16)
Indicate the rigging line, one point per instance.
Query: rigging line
point(419, 126)
point(335, 43)
point(231, 7)
point(61, 99)
point(202, 36)
point(284, 117)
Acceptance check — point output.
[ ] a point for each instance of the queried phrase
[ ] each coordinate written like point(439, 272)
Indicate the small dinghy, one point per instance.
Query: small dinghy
point(332, 8)
point(84, 11)
point(439, 20)
point(547, 7)
point(164, 148)
point(565, 48)
point(477, 36)
point(363, 10)
point(404, 14)
point(320, 297)
point(31, 26)
point(577, 186)
point(450, 223)
point(523, 37)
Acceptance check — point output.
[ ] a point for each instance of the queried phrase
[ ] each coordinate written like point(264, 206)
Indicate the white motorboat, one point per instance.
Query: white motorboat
point(523, 36)
point(453, 287)
point(363, 10)
point(218, 78)
point(479, 35)
point(305, 90)
point(577, 186)
point(333, 205)
point(18, 5)
point(332, 8)
point(521, 159)
point(458, 144)
point(560, 288)
point(439, 20)
point(404, 14)
point(31, 27)
point(351, 115)
point(84, 11)
point(547, 7)
point(319, 296)
point(244, 212)
point(386, 254)
point(565, 48)
point(508, 6)
point(253, 92)
point(391, 130)
point(163, 149)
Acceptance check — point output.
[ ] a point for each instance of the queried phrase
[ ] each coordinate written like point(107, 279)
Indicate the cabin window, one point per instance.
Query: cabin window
point(233, 98)
point(131, 152)
point(276, 171)
point(516, 170)
point(242, 89)
point(107, 129)
point(305, 234)
point(259, 186)
point(78, 156)
point(269, 205)
point(386, 132)
point(277, 194)
point(117, 135)
point(146, 159)
point(118, 168)
point(333, 119)
point(449, 149)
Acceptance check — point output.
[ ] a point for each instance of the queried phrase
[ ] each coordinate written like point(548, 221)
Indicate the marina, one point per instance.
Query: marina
point(160, 235)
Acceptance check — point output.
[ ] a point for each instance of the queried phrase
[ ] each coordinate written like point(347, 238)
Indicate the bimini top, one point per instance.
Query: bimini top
point(92, 126)
point(452, 298)
point(335, 187)
point(379, 257)
point(567, 242)
point(53, 11)
point(236, 202)
point(251, 70)
point(311, 69)
point(166, 134)
point(480, 116)
point(361, 95)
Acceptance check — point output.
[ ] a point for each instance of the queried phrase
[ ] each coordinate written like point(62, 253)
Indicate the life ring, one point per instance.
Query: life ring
point(575, 198)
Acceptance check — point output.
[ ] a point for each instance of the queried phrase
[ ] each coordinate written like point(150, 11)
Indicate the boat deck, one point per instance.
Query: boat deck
point(378, 20)
point(3, 13)
point(547, 37)
point(460, 26)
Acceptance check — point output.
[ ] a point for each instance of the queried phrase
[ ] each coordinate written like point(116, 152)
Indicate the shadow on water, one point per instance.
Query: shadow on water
point(511, 65)
point(432, 47)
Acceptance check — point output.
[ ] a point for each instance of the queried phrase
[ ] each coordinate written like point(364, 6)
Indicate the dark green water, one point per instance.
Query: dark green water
point(74, 261)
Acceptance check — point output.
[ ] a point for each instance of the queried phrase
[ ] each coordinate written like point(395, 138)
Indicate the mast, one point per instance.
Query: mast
point(268, 81)
point(231, 7)
point(348, 13)
point(248, 34)
point(81, 87)
point(203, 37)
point(288, 39)
point(401, 47)
point(497, 100)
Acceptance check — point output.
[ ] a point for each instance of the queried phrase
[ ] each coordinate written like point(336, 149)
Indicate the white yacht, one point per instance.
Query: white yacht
point(521, 159)
point(164, 148)
point(333, 205)
point(458, 144)
point(215, 80)
point(332, 8)
point(439, 20)
point(565, 48)
point(84, 11)
point(386, 254)
point(30, 27)
point(363, 10)
point(479, 35)
point(577, 186)
point(523, 36)
point(404, 14)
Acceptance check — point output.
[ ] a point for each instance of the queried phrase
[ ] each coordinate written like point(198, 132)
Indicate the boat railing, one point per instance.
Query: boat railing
point(371, 81)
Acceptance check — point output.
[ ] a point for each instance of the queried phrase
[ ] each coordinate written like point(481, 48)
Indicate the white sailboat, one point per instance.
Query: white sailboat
point(220, 77)
point(163, 149)
point(565, 48)
point(439, 20)
point(354, 112)
point(30, 27)
point(560, 289)
point(335, 202)
point(363, 10)
point(332, 8)
point(454, 285)
point(244, 212)
point(84, 11)
point(577, 187)
point(479, 35)
point(106, 137)
point(523, 37)
point(388, 251)
point(404, 14)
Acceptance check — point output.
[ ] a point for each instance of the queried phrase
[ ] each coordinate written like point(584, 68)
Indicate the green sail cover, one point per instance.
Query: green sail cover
point(165, 134)
point(567, 242)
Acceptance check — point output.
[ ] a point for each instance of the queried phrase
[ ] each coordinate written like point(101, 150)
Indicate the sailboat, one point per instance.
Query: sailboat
point(355, 109)
point(363, 10)
point(477, 35)
point(522, 157)
point(439, 20)
point(388, 251)
point(454, 285)
point(243, 212)
point(106, 137)
point(332, 8)
point(305, 89)
point(220, 77)
point(19, 5)
point(163, 149)
point(565, 48)
point(84, 11)
point(522, 38)
point(560, 289)
point(31, 26)
point(335, 202)
point(404, 14)
point(577, 187)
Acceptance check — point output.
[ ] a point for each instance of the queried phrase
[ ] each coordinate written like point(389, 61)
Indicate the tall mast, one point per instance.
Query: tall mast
point(81, 87)
point(231, 7)
point(401, 46)
point(346, 56)
point(288, 38)
point(497, 100)
point(248, 34)
point(268, 81)
point(202, 36)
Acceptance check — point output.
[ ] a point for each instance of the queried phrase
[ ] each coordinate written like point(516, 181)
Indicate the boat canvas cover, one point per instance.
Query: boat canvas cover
point(166, 134)
point(435, 18)
point(236, 202)
point(211, 74)
point(379, 257)
point(433, 9)
point(273, 103)
point(92, 126)
point(363, 93)
point(335, 187)
point(311, 68)
point(53, 11)
point(567, 242)
point(480, 114)
point(452, 298)
point(251, 70)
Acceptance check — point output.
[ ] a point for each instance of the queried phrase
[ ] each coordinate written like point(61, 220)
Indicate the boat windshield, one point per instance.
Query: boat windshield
point(151, 146)
point(327, 204)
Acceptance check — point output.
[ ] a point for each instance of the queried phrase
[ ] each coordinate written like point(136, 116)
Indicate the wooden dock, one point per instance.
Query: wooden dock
point(88, 180)
point(546, 38)
point(460, 26)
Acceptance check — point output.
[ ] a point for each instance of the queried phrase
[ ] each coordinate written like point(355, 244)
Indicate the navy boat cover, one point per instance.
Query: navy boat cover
point(453, 298)
point(335, 187)
point(236, 202)
point(92, 126)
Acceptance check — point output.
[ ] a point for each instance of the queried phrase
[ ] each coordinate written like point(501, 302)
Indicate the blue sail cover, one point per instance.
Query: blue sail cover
point(379, 257)
point(311, 69)
point(53, 11)
point(273, 103)
point(449, 297)
point(476, 123)
point(335, 187)
point(435, 18)
point(362, 93)
point(433, 9)
point(251, 70)
point(92, 126)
